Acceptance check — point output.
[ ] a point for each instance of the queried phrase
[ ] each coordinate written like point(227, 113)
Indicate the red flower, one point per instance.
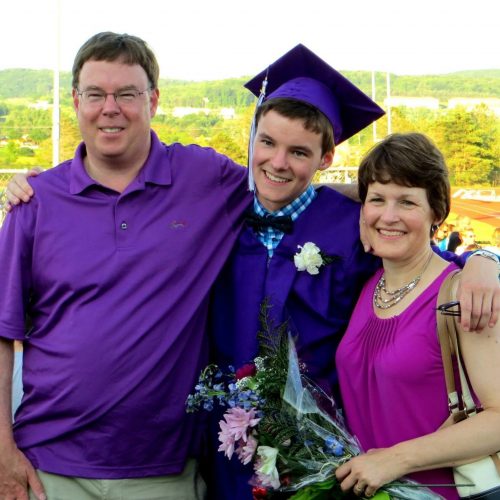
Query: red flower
point(285, 481)
point(259, 493)
point(247, 370)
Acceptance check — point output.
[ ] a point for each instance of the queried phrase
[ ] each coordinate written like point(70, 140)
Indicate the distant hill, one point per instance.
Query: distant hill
point(481, 73)
point(29, 83)
point(37, 84)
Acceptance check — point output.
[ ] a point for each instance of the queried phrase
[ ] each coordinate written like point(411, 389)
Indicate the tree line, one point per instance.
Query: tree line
point(37, 84)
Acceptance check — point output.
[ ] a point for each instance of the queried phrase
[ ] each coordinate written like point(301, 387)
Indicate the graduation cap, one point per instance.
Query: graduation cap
point(301, 75)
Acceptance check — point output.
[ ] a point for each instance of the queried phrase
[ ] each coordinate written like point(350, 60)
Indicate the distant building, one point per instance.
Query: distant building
point(227, 113)
point(469, 103)
point(412, 102)
point(180, 112)
point(160, 111)
point(342, 175)
point(40, 105)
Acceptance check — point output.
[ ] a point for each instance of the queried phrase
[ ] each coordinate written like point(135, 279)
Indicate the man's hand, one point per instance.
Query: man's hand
point(18, 190)
point(479, 294)
point(17, 475)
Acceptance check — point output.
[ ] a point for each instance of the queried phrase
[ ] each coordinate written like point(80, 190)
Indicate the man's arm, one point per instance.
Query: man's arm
point(349, 190)
point(479, 293)
point(16, 472)
point(479, 290)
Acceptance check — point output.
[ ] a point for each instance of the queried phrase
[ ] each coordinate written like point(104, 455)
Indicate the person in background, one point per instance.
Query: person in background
point(17, 381)
point(468, 244)
point(389, 360)
point(494, 244)
point(454, 241)
point(442, 236)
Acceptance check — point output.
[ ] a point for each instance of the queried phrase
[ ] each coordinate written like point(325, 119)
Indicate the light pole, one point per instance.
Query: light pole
point(389, 125)
point(373, 99)
point(56, 124)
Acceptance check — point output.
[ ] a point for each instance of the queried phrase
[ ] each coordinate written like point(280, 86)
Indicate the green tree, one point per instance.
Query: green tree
point(467, 141)
point(9, 154)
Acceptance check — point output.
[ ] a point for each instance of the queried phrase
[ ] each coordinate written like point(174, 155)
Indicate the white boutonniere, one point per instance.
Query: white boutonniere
point(310, 258)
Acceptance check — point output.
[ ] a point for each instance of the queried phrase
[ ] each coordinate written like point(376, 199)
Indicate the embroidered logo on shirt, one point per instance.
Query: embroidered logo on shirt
point(178, 224)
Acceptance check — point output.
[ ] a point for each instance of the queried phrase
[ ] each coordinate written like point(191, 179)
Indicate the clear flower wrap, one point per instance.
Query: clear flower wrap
point(284, 424)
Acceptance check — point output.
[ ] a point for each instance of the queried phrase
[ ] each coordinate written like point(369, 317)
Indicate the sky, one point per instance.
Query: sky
point(215, 39)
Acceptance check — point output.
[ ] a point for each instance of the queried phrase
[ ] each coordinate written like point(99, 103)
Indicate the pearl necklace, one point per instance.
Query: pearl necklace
point(395, 296)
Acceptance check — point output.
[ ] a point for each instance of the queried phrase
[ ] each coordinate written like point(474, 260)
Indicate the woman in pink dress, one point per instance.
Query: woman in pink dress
point(389, 361)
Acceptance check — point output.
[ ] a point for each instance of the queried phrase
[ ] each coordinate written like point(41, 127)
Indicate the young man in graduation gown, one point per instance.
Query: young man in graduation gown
point(310, 108)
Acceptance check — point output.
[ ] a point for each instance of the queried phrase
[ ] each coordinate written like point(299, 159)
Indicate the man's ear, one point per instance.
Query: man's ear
point(153, 102)
point(326, 161)
point(76, 99)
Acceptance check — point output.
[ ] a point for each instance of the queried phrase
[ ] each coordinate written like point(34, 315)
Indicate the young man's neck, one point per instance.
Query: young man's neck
point(306, 201)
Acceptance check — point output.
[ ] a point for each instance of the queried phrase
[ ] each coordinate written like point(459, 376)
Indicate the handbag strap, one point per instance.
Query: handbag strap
point(444, 341)
point(447, 332)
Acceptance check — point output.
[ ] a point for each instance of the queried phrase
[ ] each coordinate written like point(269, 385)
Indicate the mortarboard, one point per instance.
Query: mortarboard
point(300, 74)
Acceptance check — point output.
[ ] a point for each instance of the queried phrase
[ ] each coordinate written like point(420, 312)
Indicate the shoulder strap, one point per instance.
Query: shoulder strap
point(447, 332)
point(467, 401)
point(448, 339)
point(444, 341)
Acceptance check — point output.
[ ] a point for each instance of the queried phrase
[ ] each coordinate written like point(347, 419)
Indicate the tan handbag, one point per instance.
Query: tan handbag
point(479, 479)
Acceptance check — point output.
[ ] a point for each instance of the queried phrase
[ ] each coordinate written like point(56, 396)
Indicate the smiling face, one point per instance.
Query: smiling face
point(285, 159)
point(115, 134)
point(398, 221)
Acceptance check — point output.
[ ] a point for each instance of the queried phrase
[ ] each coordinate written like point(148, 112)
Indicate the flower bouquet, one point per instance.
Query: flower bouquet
point(284, 424)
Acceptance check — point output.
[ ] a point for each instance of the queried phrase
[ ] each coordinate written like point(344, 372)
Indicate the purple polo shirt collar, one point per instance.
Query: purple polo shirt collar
point(153, 171)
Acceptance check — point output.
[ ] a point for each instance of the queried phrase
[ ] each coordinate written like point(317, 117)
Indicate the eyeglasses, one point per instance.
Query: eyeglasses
point(122, 97)
point(450, 309)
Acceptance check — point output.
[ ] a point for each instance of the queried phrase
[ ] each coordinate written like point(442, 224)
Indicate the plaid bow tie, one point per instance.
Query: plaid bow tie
point(281, 223)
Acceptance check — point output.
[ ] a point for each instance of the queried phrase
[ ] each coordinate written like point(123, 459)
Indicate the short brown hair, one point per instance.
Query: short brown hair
point(410, 160)
point(108, 46)
point(313, 119)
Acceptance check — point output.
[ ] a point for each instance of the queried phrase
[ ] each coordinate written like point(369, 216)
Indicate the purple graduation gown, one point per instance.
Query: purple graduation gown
point(317, 306)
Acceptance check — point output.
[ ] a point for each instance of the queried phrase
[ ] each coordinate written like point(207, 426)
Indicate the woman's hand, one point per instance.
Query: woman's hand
point(366, 473)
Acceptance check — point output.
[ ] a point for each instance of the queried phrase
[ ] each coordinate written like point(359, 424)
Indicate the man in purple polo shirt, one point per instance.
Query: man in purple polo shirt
point(113, 260)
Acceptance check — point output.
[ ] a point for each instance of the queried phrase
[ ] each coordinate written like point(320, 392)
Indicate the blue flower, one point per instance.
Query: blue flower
point(333, 446)
point(208, 405)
